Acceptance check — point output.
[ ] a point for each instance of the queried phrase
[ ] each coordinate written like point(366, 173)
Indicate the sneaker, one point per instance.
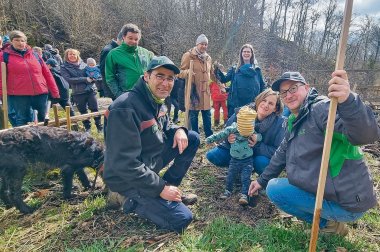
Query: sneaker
point(335, 227)
point(225, 195)
point(243, 200)
point(189, 199)
point(115, 200)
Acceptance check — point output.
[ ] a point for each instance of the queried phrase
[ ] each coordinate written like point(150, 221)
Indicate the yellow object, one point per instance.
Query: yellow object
point(246, 121)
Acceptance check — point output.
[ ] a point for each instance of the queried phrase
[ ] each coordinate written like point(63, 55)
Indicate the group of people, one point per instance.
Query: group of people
point(36, 78)
point(141, 139)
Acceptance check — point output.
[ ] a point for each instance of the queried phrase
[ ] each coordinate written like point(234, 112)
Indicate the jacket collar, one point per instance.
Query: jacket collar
point(142, 89)
point(311, 98)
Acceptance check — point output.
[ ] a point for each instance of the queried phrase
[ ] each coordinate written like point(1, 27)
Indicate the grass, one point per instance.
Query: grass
point(84, 223)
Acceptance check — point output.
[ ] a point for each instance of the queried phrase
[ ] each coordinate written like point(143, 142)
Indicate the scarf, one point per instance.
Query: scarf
point(262, 126)
point(155, 98)
point(201, 56)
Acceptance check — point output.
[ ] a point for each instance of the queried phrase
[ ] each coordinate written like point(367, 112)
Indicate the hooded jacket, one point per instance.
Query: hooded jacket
point(124, 66)
point(301, 152)
point(246, 83)
point(136, 134)
point(26, 75)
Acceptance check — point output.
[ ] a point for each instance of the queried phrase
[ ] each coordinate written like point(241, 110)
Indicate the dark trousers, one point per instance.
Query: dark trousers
point(206, 118)
point(170, 215)
point(22, 106)
point(84, 100)
point(245, 167)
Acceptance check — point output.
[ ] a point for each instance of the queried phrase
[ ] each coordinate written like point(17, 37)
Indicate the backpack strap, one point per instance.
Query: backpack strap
point(6, 57)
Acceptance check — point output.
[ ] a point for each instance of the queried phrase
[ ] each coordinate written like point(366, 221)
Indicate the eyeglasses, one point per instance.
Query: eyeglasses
point(291, 90)
point(162, 77)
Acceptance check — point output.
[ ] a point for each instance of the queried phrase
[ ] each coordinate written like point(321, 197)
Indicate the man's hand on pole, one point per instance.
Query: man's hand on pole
point(339, 87)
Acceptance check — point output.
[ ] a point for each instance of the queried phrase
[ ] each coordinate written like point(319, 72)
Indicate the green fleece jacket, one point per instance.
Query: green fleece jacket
point(124, 66)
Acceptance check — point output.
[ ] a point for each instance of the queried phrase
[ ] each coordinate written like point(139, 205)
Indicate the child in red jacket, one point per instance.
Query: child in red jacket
point(219, 98)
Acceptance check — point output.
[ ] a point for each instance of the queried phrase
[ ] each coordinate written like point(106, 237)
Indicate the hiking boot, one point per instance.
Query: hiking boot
point(243, 200)
point(115, 200)
point(189, 199)
point(225, 195)
point(335, 227)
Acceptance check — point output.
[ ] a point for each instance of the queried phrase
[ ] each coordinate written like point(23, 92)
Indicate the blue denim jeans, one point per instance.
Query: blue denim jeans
point(174, 216)
point(206, 118)
point(220, 156)
point(23, 106)
point(301, 204)
point(244, 166)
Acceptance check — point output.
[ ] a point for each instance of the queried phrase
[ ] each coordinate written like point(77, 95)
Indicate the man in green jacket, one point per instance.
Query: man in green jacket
point(126, 63)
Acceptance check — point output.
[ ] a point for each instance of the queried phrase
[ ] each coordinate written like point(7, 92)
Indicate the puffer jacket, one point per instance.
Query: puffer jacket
point(75, 75)
point(203, 73)
point(301, 152)
point(26, 75)
point(136, 134)
point(246, 83)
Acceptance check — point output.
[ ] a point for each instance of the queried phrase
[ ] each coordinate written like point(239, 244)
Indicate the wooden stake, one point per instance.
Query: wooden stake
point(329, 130)
point(187, 94)
point(56, 117)
point(4, 91)
point(68, 118)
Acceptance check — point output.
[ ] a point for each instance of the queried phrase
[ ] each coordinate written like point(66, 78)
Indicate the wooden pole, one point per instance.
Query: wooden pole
point(329, 130)
point(68, 118)
point(5, 94)
point(187, 94)
point(56, 117)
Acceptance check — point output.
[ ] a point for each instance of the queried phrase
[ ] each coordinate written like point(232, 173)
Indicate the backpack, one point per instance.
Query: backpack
point(6, 57)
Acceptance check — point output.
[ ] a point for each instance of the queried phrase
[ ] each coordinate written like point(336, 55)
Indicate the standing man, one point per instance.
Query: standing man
point(126, 63)
point(202, 71)
point(349, 187)
point(141, 140)
point(103, 55)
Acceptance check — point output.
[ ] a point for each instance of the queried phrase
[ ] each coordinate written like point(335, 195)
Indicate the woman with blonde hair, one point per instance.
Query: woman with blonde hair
point(83, 87)
point(269, 123)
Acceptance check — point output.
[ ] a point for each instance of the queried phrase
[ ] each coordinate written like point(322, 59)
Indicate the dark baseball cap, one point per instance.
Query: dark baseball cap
point(52, 62)
point(293, 76)
point(162, 61)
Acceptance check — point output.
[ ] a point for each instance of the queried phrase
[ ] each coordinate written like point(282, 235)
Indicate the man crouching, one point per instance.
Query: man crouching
point(141, 141)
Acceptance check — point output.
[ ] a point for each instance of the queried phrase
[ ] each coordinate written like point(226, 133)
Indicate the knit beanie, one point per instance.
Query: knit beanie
point(246, 121)
point(201, 39)
point(91, 61)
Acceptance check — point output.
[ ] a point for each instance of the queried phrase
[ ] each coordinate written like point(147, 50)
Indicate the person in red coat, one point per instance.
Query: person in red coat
point(28, 81)
point(219, 98)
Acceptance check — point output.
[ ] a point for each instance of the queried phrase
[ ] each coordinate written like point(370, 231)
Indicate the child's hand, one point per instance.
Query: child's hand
point(252, 140)
point(231, 138)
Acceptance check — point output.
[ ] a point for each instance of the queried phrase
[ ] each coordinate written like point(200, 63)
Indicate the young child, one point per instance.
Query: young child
point(92, 70)
point(219, 98)
point(241, 152)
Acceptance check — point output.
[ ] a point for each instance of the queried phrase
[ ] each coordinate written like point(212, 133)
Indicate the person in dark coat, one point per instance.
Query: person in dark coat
point(62, 85)
point(102, 63)
point(84, 88)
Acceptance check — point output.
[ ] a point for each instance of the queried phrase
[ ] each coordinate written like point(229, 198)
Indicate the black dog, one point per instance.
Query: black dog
point(20, 147)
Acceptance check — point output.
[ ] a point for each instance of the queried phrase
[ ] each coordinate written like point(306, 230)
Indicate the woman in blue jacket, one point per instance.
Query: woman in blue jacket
point(269, 123)
point(246, 80)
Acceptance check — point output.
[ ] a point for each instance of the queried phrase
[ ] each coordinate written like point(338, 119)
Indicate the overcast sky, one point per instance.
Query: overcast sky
point(363, 7)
